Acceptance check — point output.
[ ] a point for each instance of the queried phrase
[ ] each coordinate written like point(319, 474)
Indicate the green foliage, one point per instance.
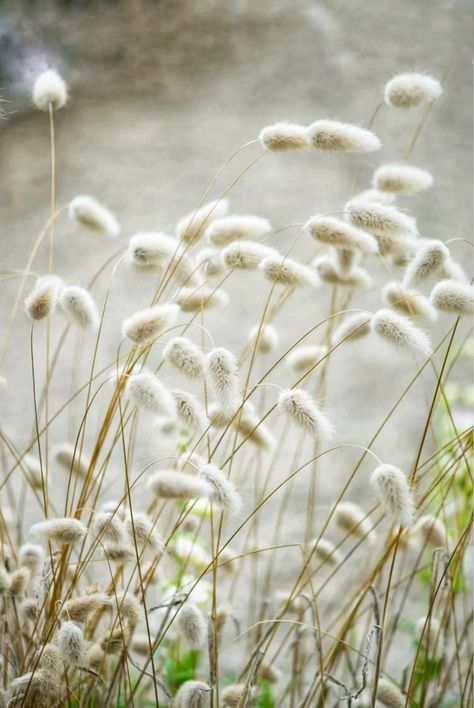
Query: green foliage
point(180, 667)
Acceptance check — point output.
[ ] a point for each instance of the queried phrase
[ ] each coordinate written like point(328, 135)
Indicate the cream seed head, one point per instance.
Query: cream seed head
point(222, 377)
point(404, 179)
point(72, 644)
point(192, 694)
point(301, 359)
point(352, 327)
point(192, 626)
point(233, 228)
point(43, 299)
point(409, 302)
point(264, 337)
point(427, 263)
point(90, 213)
point(284, 136)
point(451, 270)
point(246, 255)
point(335, 136)
point(79, 609)
point(389, 695)
point(18, 582)
point(224, 493)
point(411, 89)
point(453, 297)
point(400, 331)
point(185, 356)
point(190, 411)
point(49, 89)
point(146, 391)
point(144, 531)
point(289, 272)
point(300, 407)
point(170, 484)
point(31, 556)
point(209, 260)
point(340, 234)
point(232, 695)
point(51, 660)
point(147, 324)
point(329, 271)
point(72, 459)
point(250, 426)
point(190, 462)
point(327, 551)
point(192, 226)
point(384, 221)
point(151, 248)
point(66, 531)
point(352, 520)
point(201, 298)
point(79, 307)
point(431, 530)
point(391, 487)
point(108, 527)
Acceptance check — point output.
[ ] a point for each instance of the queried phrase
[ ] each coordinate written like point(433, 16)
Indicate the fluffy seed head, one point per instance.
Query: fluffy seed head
point(342, 137)
point(43, 299)
point(224, 493)
point(190, 411)
point(301, 359)
point(192, 626)
point(188, 550)
point(399, 331)
point(288, 272)
point(407, 90)
point(329, 270)
point(401, 178)
point(375, 195)
point(246, 255)
point(72, 459)
point(409, 302)
point(65, 531)
point(250, 426)
point(146, 391)
point(31, 556)
point(201, 298)
point(232, 695)
point(79, 307)
point(284, 136)
point(326, 551)
point(144, 531)
point(431, 530)
point(147, 324)
point(233, 228)
point(71, 644)
point(18, 582)
point(49, 88)
point(389, 694)
point(340, 234)
point(209, 259)
point(265, 338)
point(109, 527)
point(51, 660)
point(391, 487)
point(93, 215)
point(189, 462)
point(351, 519)
point(299, 406)
point(185, 356)
point(427, 263)
point(453, 297)
point(151, 248)
point(192, 694)
point(192, 226)
point(223, 379)
point(78, 609)
point(385, 222)
point(353, 327)
point(170, 484)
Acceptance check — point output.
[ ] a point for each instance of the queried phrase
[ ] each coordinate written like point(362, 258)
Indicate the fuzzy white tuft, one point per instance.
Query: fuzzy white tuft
point(265, 338)
point(192, 694)
point(93, 215)
point(342, 137)
point(353, 327)
point(72, 644)
point(170, 484)
point(286, 271)
point(284, 136)
point(192, 226)
point(147, 324)
point(411, 89)
point(146, 391)
point(222, 376)
point(44, 297)
point(401, 178)
point(453, 297)
point(190, 411)
point(391, 488)
point(232, 228)
point(49, 88)
point(390, 695)
point(428, 262)
point(65, 531)
point(301, 359)
point(340, 234)
point(400, 331)
point(409, 302)
point(300, 407)
point(224, 493)
point(246, 255)
point(385, 222)
point(79, 307)
point(201, 298)
point(185, 356)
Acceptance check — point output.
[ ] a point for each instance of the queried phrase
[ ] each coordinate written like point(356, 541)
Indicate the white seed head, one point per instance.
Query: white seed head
point(189, 550)
point(192, 626)
point(385, 222)
point(340, 234)
point(400, 331)
point(143, 530)
point(18, 582)
point(190, 411)
point(108, 527)
point(189, 462)
point(265, 338)
point(329, 270)
point(151, 248)
point(246, 255)
point(185, 356)
point(286, 271)
point(170, 484)
point(232, 695)
point(233, 228)
point(192, 226)
point(43, 299)
point(222, 377)
point(411, 89)
point(431, 530)
point(404, 179)
point(427, 263)
point(284, 136)
point(452, 271)
point(327, 551)
point(90, 213)
point(49, 88)
point(342, 137)
point(352, 327)
point(209, 259)
point(147, 324)
point(391, 487)
point(72, 644)
point(66, 531)
point(51, 660)
point(351, 519)
point(192, 694)
point(79, 307)
point(301, 359)
point(250, 426)
point(453, 297)
point(389, 694)
point(72, 459)
point(201, 298)
point(31, 556)
point(375, 195)
point(409, 302)
point(224, 493)
point(300, 407)
point(78, 609)
point(146, 391)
